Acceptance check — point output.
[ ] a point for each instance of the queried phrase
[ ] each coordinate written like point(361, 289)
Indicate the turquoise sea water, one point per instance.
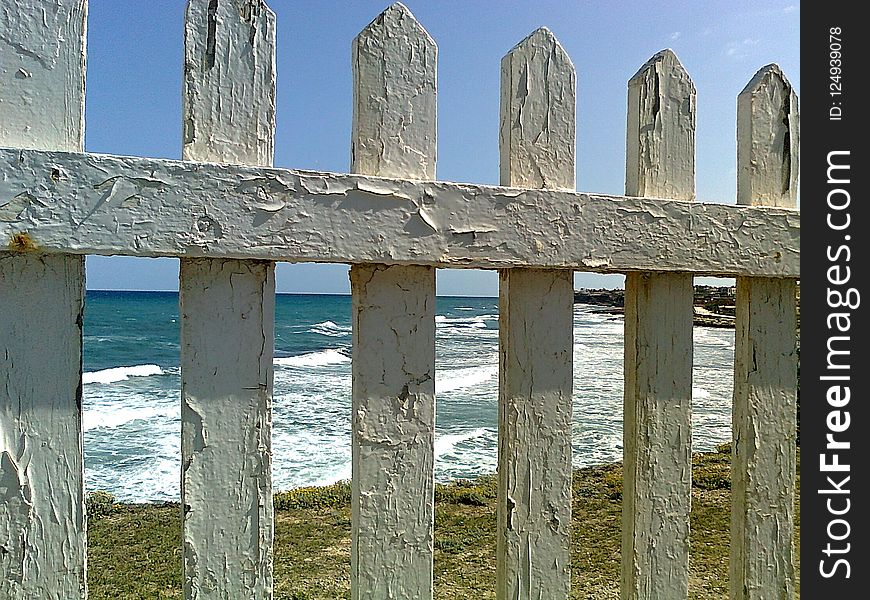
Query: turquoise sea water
point(132, 409)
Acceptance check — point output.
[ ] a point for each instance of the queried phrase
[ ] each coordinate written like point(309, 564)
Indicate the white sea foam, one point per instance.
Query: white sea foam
point(108, 417)
point(120, 374)
point(313, 359)
point(134, 452)
point(446, 443)
point(458, 379)
point(476, 321)
point(340, 473)
point(330, 329)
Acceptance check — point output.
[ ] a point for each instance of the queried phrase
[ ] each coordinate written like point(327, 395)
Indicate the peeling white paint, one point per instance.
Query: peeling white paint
point(42, 520)
point(42, 517)
point(535, 335)
point(393, 412)
point(393, 396)
point(227, 338)
point(768, 139)
point(227, 222)
point(660, 142)
point(227, 313)
point(394, 69)
point(535, 400)
point(765, 363)
point(657, 484)
point(229, 82)
point(536, 136)
point(657, 430)
point(42, 65)
point(167, 208)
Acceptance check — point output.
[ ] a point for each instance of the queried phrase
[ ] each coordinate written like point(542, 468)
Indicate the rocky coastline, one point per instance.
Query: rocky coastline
point(713, 306)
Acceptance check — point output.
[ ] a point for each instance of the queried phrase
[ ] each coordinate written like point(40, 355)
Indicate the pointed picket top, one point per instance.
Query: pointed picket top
point(394, 97)
point(538, 106)
point(542, 37)
point(229, 82)
point(768, 140)
point(660, 142)
point(396, 19)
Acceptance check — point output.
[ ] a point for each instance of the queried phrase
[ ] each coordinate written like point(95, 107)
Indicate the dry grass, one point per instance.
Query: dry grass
point(134, 550)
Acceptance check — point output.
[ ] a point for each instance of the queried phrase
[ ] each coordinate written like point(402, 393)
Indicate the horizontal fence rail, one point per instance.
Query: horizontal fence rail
point(91, 204)
point(230, 216)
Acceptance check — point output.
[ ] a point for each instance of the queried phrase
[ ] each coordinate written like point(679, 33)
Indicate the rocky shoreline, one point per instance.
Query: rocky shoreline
point(713, 306)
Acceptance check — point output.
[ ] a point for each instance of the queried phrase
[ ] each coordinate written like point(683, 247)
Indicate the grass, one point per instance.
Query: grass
point(134, 550)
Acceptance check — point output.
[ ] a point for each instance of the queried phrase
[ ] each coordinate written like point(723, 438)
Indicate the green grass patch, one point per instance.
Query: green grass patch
point(134, 551)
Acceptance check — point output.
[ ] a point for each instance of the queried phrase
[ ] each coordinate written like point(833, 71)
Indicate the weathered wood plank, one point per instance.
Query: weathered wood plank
point(660, 160)
point(768, 141)
point(226, 388)
point(227, 338)
point(93, 204)
point(393, 431)
point(393, 369)
point(535, 336)
point(43, 64)
point(229, 82)
point(765, 362)
point(42, 518)
point(660, 139)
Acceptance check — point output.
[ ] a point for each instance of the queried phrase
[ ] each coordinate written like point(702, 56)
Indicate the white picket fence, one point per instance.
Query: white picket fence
point(229, 216)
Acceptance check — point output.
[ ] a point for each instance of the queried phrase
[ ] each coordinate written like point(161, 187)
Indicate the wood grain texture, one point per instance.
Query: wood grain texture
point(656, 497)
point(227, 316)
point(768, 141)
point(92, 204)
point(393, 434)
point(393, 369)
point(42, 516)
point(42, 64)
point(394, 100)
point(765, 356)
point(535, 336)
point(660, 140)
point(660, 160)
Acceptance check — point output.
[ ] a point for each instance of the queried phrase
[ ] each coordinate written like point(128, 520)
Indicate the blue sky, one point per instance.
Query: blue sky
point(133, 102)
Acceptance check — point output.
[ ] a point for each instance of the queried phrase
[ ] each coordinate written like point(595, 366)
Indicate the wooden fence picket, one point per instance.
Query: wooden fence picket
point(536, 312)
point(393, 369)
point(765, 356)
point(660, 162)
point(42, 516)
point(227, 310)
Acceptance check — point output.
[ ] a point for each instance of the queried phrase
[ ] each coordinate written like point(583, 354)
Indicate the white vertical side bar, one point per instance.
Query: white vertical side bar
point(227, 315)
point(536, 311)
point(42, 519)
point(660, 162)
point(393, 405)
point(765, 361)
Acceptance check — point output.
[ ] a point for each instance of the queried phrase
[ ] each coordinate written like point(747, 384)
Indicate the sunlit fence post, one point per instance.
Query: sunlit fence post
point(227, 309)
point(393, 398)
point(765, 361)
point(535, 335)
point(42, 520)
point(657, 494)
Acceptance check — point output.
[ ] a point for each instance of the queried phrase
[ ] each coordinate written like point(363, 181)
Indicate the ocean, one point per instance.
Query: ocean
point(132, 424)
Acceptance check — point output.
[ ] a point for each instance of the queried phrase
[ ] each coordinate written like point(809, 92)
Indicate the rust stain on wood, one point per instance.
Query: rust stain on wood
point(21, 242)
